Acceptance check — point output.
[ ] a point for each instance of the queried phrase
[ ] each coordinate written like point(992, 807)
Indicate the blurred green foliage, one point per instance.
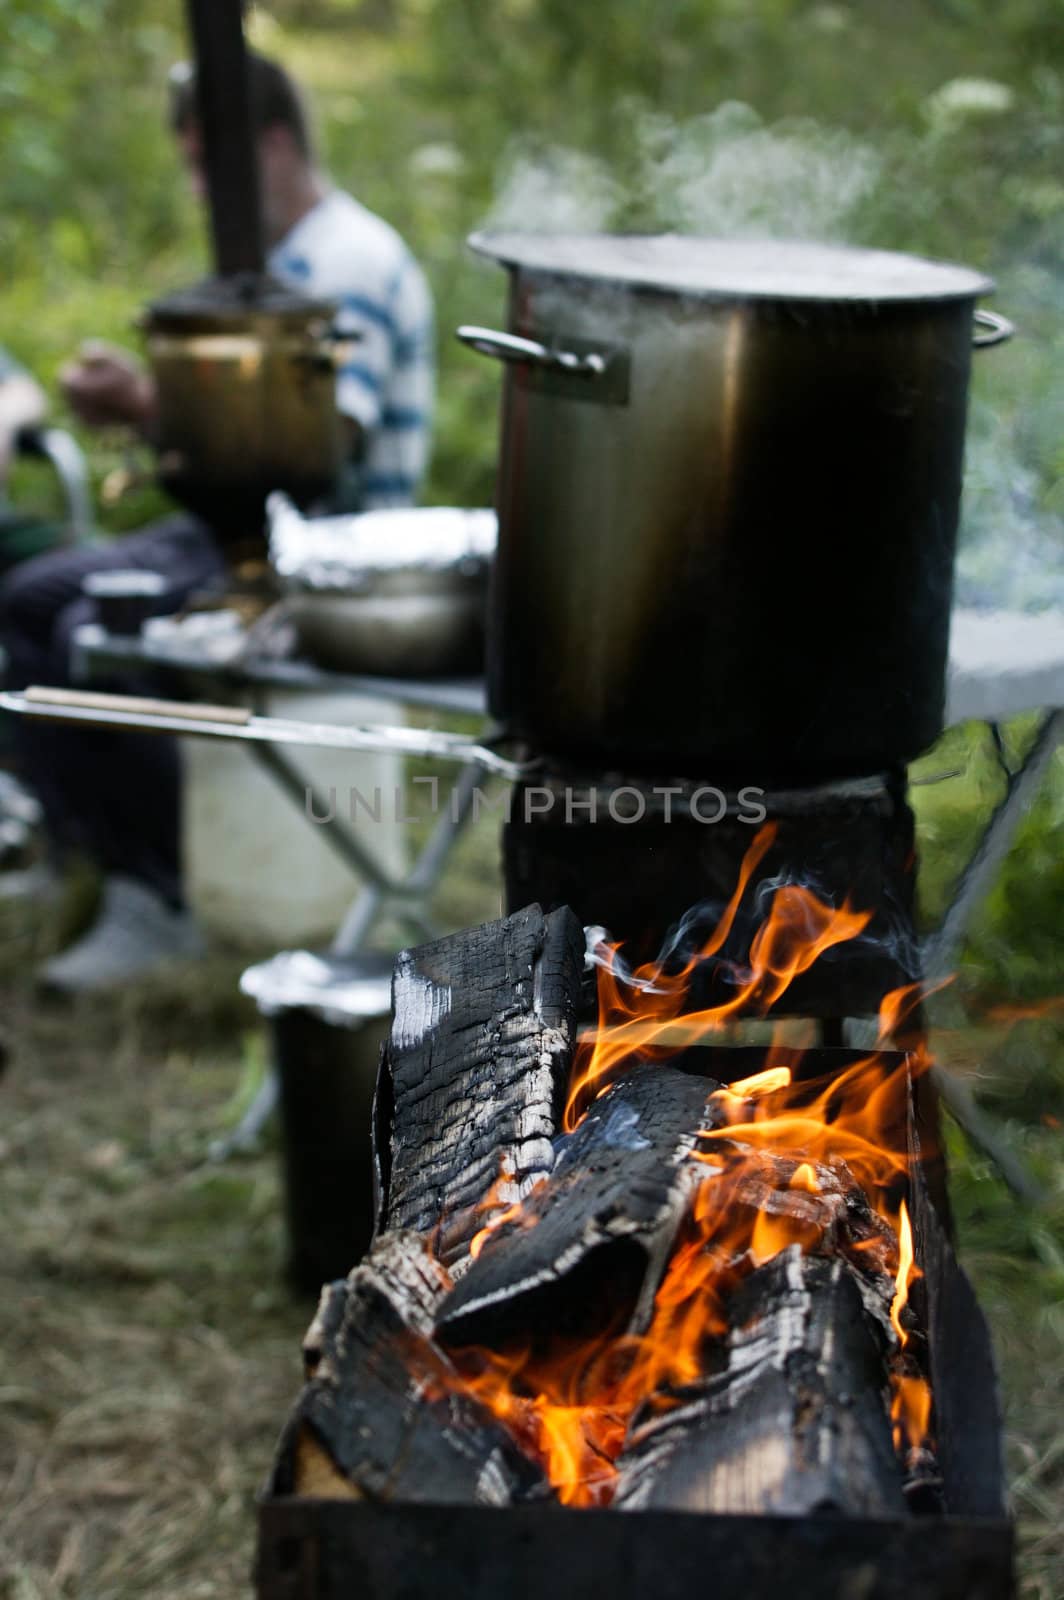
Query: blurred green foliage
point(425, 107)
point(928, 125)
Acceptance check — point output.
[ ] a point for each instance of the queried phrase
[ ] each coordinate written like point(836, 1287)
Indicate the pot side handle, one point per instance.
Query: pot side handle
point(529, 353)
point(999, 329)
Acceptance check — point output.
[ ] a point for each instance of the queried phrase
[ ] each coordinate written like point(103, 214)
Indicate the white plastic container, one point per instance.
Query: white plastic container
point(257, 870)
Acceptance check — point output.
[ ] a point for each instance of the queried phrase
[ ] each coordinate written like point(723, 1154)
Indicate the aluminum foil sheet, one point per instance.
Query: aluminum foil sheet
point(348, 553)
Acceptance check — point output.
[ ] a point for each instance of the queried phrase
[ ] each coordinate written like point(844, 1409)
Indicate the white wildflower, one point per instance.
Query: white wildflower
point(963, 98)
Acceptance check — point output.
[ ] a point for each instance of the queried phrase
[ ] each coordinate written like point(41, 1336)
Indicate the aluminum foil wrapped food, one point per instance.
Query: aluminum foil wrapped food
point(349, 552)
point(401, 593)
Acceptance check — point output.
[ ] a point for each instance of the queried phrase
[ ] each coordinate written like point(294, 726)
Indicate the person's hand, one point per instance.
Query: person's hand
point(105, 385)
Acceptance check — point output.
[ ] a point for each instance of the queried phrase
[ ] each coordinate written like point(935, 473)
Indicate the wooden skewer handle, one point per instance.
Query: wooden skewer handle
point(89, 700)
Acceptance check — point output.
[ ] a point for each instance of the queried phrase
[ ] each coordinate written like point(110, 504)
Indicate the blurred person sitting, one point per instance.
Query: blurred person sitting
point(22, 406)
point(117, 798)
point(324, 243)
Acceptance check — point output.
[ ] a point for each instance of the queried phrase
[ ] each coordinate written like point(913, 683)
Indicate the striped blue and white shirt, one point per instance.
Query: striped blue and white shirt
point(345, 253)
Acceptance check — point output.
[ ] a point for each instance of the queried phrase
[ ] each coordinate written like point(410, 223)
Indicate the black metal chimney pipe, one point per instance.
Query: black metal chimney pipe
point(224, 103)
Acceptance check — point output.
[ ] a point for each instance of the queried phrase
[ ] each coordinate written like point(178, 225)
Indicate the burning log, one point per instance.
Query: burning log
point(474, 1075)
point(690, 1299)
point(377, 1419)
point(823, 1207)
point(601, 1231)
point(795, 1424)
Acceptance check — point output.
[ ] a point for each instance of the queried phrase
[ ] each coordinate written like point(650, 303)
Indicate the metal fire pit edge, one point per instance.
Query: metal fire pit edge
point(312, 1549)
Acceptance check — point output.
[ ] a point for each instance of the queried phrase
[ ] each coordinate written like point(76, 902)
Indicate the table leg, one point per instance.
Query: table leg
point(408, 897)
point(335, 832)
point(943, 947)
point(248, 1130)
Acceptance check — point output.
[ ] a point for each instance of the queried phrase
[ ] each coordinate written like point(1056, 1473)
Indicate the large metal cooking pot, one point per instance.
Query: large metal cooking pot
point(246, 377)
point(728, 497)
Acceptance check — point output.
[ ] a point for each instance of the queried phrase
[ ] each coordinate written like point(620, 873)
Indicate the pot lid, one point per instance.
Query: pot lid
point(243, 295)
point(778, 269)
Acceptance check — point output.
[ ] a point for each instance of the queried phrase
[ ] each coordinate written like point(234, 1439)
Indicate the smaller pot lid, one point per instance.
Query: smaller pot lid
point(342, 992)
point(223, 301)
point(735, 269)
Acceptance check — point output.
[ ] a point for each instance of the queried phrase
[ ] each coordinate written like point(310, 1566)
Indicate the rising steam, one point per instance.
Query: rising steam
point(724, 174)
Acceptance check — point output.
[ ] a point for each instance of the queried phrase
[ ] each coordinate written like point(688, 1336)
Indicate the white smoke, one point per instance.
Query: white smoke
point(728, 174)
point(725, 173)
point(1011, 550)
point(554, 191)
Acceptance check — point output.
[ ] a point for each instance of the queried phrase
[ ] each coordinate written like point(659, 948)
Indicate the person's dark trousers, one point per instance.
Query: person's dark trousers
point(115, 796)
point(21, 538)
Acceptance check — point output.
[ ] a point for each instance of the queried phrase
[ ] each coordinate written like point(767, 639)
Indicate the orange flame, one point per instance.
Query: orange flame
point(905, 1273)
point(637, 1013)
point(782, 1161)
point(910, 1407)
point(515, 1213)
point(1029, 1011)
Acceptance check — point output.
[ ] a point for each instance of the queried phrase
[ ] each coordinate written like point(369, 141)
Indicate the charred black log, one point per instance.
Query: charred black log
point(796, 1424)
point(588, 1248)
point(474, 1075)
point(381, 1417)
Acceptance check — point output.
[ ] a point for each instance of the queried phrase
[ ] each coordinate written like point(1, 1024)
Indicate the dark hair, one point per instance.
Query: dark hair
point(275, 100)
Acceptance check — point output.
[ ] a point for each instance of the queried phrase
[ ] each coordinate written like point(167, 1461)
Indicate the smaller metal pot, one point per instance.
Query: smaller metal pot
point(398, 593)
point(245, 372)
point(435, 628)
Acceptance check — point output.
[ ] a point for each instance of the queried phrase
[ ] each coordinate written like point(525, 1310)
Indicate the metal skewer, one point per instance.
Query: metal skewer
point(129, 713)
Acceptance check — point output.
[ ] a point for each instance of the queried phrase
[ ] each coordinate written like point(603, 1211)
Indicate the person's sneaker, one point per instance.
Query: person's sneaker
point(134, 935)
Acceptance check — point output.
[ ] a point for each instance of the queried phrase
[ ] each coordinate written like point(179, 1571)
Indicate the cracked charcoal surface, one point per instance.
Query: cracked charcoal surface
point(797, 1422)
point(606, 1221)
point(372, 1405)
point(476, 1068)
